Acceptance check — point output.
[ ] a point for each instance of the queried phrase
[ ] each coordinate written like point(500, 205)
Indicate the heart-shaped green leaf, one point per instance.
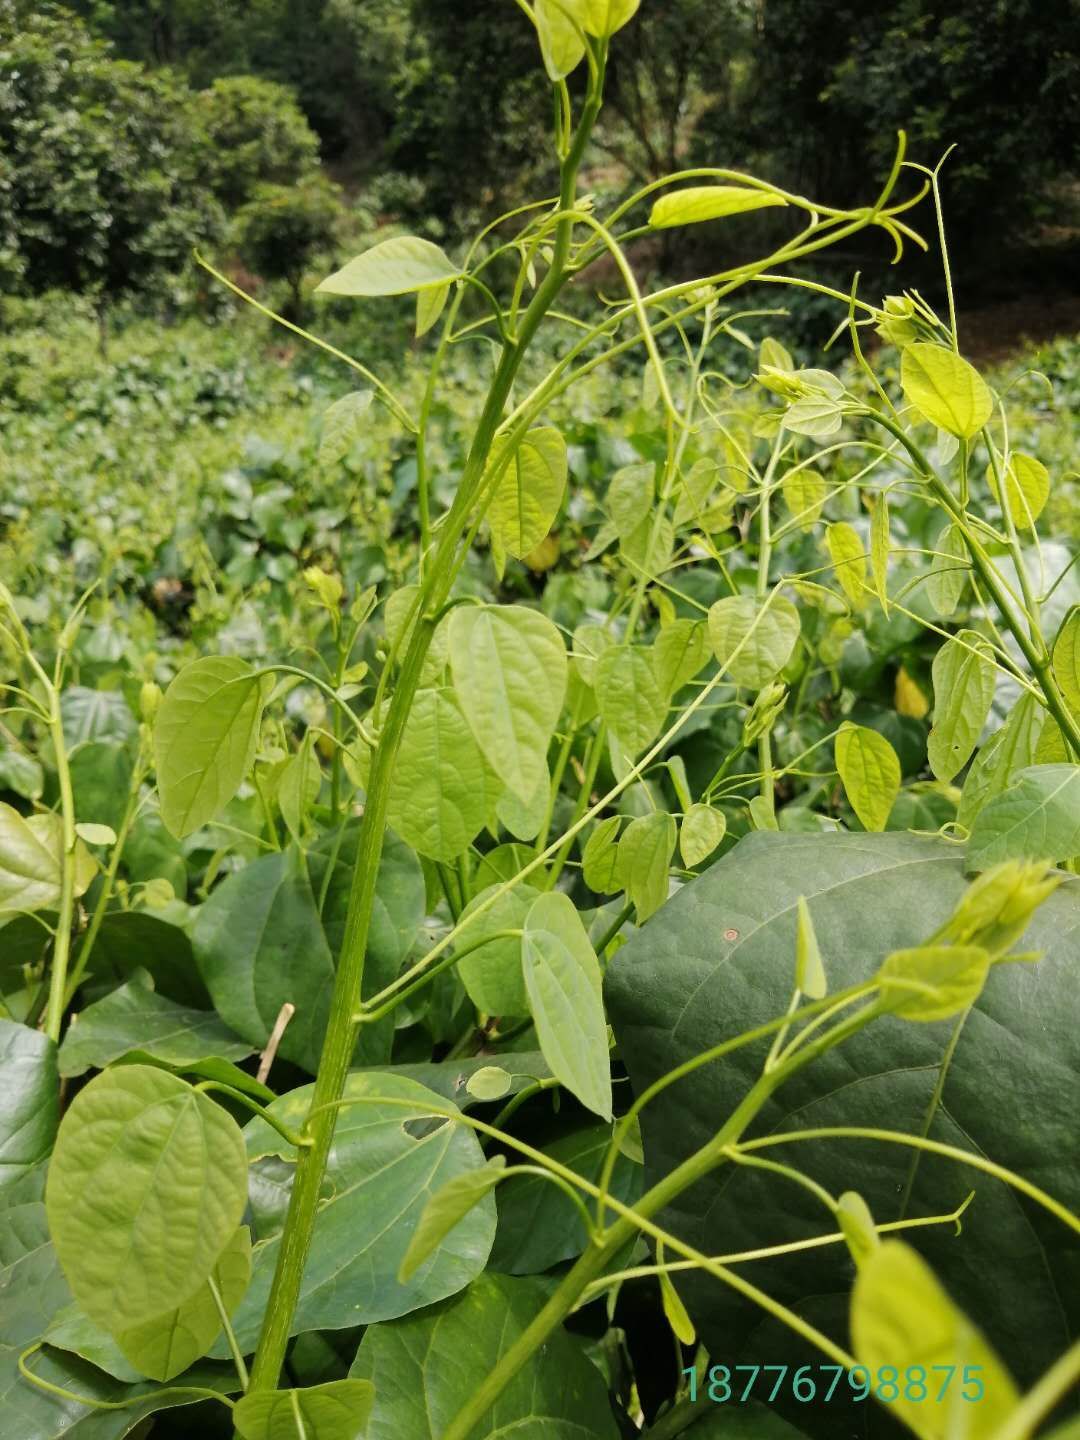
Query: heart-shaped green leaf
point(204, 739)
point(146, 1188)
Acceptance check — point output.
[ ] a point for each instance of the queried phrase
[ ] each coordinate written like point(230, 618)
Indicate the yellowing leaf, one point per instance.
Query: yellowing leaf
point(908, 696)
point(708, 202)
point(804, 493)
point(870, 771)
point(945, 389)
point(393, 267)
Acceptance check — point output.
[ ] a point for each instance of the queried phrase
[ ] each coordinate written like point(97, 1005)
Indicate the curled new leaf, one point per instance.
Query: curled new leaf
point(933, 982)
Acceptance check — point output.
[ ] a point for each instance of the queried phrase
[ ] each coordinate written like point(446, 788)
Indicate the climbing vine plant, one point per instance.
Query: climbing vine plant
point(644, 860)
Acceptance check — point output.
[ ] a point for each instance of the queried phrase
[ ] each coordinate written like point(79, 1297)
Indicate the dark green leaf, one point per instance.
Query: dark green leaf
point(29, 1099)
point(134, 1018)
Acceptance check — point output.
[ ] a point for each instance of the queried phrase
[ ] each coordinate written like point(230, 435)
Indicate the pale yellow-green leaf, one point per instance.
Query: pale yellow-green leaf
point(901, 1316)
point(810, 975)
point(490, 968)
point(167, 1345)
point(706, 496)
point(1027, 487)
point(590, 642)
point(529, 492)
point(337, 1410)
point(562, 978)
point(945, 389)
point(949, 575)
point(601, 17)
point(31, 868)
point(647, 548)
point(870, 771)
point(1067, 659)
point(857, 1225)
point(879, 549)
point(908, 696)
point(629, 695)
point(964, 677)
point(490, 1082)
point(848, 556)
point(708, 202)
point(394, 267)
point(146, 1187)
point(441, 790)
point(523, 818)
point(644, 855)
point(630, 497)
point(804, 493)
point(430, 303)
point(933, 982)
point(561, 43)
point(752, 641)
point(701, 832)
point(599, 859)
point(509, 668)
point(674, 1310)
point(204, 739)
point(341, 425)
point(680, 652)
point(449, 1204)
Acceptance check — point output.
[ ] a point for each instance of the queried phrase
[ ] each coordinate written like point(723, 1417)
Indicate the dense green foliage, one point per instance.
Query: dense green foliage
point(539, 828)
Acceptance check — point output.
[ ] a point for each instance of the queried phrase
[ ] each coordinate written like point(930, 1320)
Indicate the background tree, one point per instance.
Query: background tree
point(101, 188)
point(284, 227)
point(257, 134)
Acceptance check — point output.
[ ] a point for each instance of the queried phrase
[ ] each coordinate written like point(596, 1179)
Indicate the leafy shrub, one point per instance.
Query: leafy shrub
point(258, 136)
point(283, 228)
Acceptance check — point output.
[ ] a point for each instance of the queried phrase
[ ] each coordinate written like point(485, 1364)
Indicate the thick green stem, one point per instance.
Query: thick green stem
point(340, 1036)
point(54, 1015)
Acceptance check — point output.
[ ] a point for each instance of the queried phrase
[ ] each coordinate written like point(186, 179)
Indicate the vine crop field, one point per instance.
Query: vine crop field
point(539, 835)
